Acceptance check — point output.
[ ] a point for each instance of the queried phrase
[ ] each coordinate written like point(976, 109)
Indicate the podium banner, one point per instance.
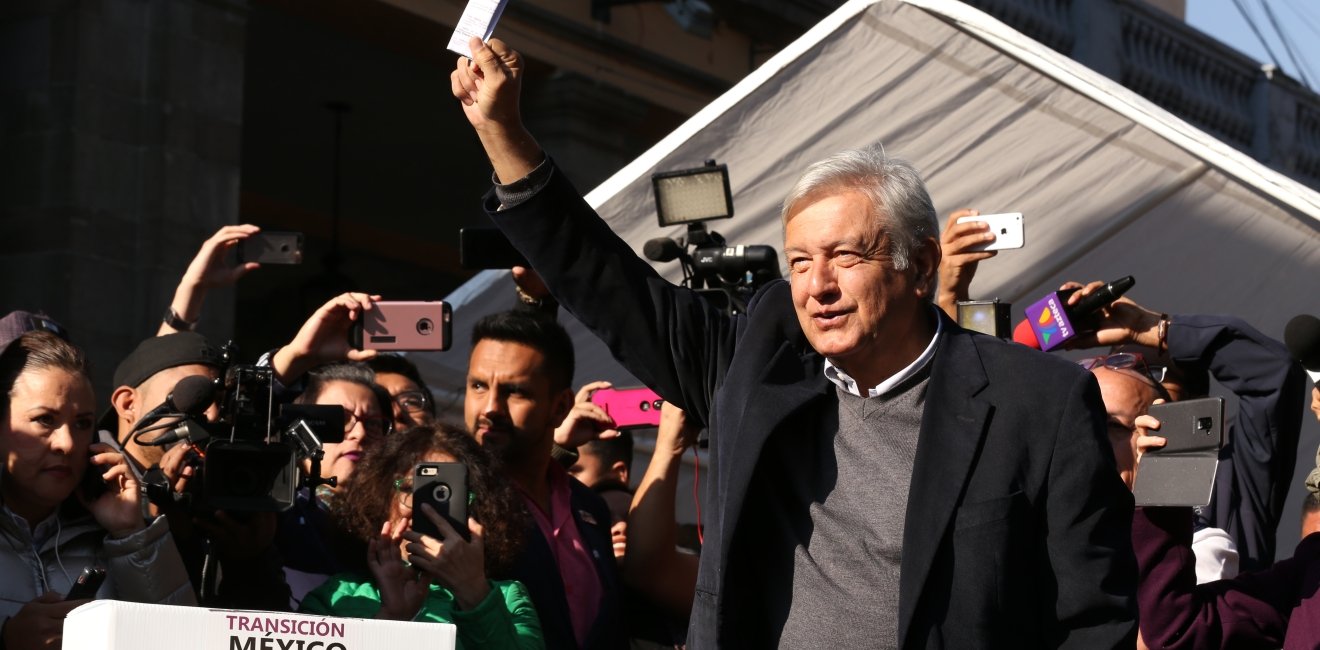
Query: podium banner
point(115, 625)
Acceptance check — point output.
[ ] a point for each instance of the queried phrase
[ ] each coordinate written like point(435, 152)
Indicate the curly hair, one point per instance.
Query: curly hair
point(362, 509)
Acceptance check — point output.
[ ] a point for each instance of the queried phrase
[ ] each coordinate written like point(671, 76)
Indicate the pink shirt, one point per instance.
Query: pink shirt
point(577, 570)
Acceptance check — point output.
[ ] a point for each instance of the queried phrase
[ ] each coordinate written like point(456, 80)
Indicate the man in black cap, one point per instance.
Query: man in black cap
point(241, 544)
point(146, 377)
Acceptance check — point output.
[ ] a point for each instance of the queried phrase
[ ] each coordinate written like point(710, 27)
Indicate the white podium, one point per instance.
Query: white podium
point(115, 625)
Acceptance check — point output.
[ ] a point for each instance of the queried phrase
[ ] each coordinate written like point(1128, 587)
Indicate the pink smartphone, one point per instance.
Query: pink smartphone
point(630, 407)
point(405, 325)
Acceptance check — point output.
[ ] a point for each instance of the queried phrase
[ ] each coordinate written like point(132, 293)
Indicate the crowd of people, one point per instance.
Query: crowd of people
point(878, 477)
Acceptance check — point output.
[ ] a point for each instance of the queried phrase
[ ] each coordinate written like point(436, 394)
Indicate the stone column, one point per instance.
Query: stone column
point(122, 129)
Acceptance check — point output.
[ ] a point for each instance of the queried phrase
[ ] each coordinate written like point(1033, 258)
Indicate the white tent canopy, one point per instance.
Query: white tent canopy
point(1110, 184)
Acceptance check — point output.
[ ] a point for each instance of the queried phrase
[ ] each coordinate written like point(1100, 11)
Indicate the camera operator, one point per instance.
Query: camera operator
point(1260, 449)
point(247, 574)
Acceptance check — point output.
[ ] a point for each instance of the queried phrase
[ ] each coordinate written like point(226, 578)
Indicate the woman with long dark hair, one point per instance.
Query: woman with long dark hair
point(416, 577)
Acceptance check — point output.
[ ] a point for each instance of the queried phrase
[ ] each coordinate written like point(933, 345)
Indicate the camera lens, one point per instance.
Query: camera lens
point(646, 406)
point(425, 326)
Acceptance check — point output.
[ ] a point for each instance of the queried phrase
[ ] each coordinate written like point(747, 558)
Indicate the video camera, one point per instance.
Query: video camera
point(248, 459)
point(729, 275)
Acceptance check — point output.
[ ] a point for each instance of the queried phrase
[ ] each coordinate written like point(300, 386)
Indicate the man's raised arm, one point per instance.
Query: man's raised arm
point(488, 87)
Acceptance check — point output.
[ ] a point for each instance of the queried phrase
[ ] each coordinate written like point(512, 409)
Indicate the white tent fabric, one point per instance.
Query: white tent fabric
point(1110, 184)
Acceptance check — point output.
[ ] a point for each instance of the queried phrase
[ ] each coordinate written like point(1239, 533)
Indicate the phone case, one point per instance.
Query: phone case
point(1182, 473)
point(630, 407)
point(1008, 229)
point(272, 248)
point(444, 486)
point(405, 325)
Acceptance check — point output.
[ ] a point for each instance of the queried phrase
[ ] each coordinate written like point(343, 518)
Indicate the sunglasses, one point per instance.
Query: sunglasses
point(1130, 361)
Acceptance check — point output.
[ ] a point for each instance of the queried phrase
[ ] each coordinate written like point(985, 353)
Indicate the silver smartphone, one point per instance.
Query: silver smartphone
point(1182, 472)
point(1007, 228)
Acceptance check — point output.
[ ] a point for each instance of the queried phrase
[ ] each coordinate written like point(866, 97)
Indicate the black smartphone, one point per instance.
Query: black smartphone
point(272, 248)
point(93, 486)
point(487, 248)
point(87, 584)
point(444, 486)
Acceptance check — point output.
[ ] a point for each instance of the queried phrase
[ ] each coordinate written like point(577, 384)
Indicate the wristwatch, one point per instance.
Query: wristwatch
point(176, 321)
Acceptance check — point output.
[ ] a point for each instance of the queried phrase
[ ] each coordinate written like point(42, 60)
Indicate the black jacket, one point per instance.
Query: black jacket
point(1017, 527)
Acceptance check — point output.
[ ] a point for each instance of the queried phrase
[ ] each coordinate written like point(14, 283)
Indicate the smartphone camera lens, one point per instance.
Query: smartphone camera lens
point(425, 326)
point(657, 404)
point(645, 406)
point(1204, 424)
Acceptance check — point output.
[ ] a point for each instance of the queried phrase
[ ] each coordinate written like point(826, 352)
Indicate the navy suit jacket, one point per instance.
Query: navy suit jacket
point(1017, 527)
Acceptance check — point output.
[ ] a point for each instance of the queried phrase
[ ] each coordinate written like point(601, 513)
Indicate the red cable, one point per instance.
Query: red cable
point(696, 496)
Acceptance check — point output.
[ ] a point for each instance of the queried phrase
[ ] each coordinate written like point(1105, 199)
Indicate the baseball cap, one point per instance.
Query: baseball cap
point(160, 353)
point(164, 352)
point(17, 323)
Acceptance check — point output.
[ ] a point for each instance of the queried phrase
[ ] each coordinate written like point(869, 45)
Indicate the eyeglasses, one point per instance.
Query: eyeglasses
point(412, 401)
point(373, 425)
point(404, 488)
point(1130, 361)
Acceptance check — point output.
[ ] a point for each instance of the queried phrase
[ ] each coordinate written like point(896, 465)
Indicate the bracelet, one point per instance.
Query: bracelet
point(1162, 343)
point(176, 321)
point(527, 298)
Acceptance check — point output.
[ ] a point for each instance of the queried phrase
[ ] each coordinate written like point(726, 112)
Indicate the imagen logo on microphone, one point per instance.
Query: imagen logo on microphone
point(1049, 322)
point(1046, 326)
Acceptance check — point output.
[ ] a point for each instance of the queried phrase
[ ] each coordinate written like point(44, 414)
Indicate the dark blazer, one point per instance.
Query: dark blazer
point(537, 570)
point(1017, 526)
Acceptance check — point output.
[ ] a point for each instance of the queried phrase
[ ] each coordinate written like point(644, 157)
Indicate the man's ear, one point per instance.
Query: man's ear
point(925, 261)
point(125, 399)
point(620, 470)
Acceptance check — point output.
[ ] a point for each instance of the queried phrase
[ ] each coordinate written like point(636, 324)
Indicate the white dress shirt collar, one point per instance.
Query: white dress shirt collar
point(839, 378)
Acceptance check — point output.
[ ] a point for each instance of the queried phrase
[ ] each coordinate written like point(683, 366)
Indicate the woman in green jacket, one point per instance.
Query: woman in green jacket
point(416, 577)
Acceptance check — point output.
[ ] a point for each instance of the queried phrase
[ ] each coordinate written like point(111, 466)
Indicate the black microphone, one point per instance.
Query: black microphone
point(1053, 321)
point(189, 398)
point(1302, 336)
point(662, 249)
